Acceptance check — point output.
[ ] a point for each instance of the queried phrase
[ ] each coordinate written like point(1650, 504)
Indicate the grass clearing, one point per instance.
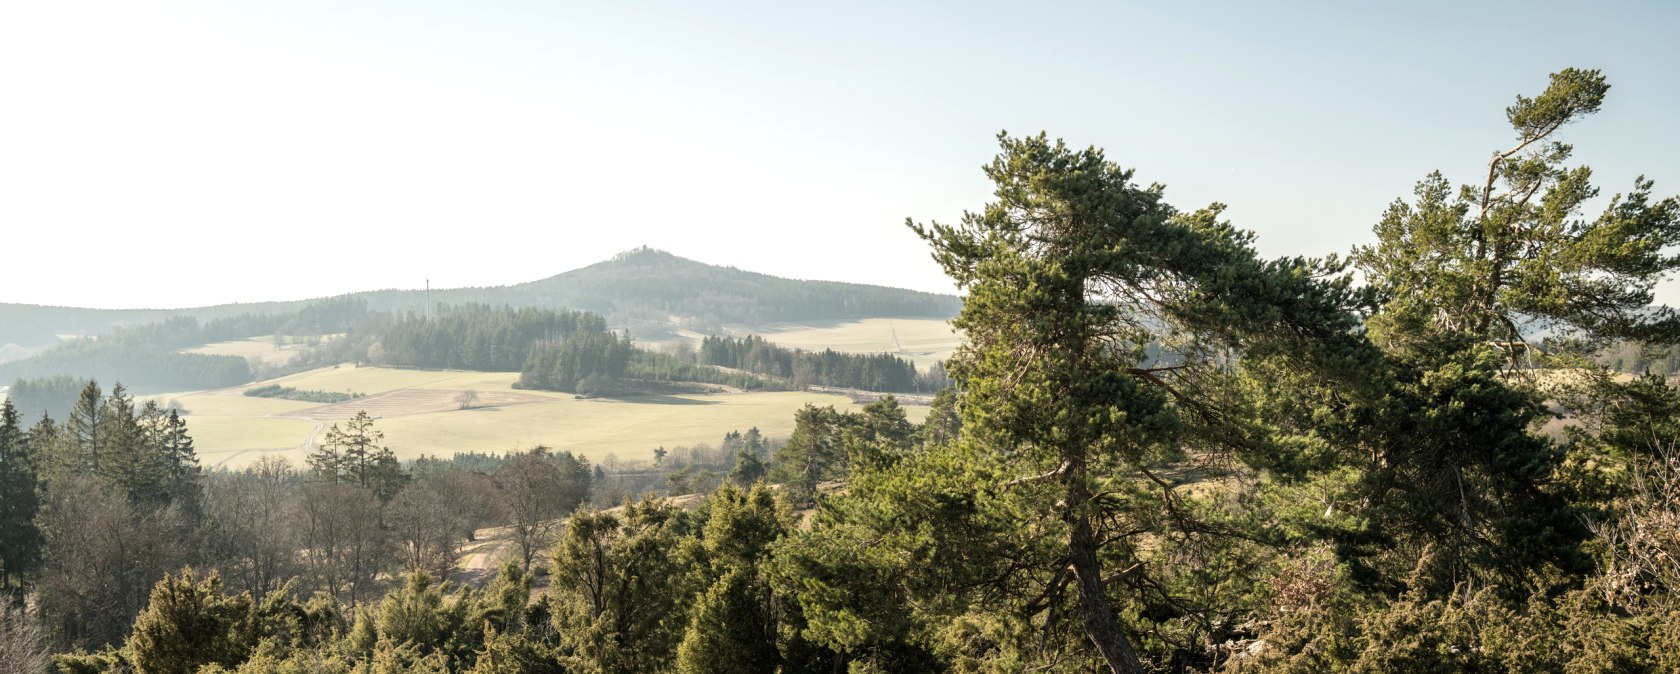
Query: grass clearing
point(259, 349)
point(922, 340)
point(217, 437)
point(234, 403)
point(630, 428)
point(374, 380)
point(419, 416)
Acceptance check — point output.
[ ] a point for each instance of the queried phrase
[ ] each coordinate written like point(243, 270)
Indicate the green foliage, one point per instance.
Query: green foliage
point(190, 623)
point(589, 363)
point(20, 502)
point(825, 443)
point(1488, 258)
point(354, 455)
point(870, 372)
point(734, 624)
point(418, 615)
point(748, 468)
point(479, 337)
point(731, 630)
point(289, 393)
point(620, 596)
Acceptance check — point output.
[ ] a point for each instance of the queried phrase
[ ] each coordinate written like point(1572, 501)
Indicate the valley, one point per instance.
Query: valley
point(418, 412)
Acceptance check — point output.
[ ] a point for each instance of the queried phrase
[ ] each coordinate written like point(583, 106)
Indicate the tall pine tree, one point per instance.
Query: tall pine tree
point(20, 538)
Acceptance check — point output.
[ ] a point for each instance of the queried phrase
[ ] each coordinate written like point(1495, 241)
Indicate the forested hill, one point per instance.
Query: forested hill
point(647, 285)
point(651, 292)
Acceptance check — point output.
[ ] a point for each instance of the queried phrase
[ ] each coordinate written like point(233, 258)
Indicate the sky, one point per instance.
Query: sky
point(174, 154)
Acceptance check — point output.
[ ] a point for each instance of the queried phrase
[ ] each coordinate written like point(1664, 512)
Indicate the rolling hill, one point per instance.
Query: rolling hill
point(650, 292)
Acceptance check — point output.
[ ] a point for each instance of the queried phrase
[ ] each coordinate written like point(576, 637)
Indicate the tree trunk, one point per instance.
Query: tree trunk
point(1100, 625)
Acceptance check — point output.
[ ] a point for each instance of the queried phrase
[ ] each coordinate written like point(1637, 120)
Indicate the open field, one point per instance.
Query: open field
point(222, 440)
point(259, 349)
point(922, 340)
point(402, 402)
point(418, 413)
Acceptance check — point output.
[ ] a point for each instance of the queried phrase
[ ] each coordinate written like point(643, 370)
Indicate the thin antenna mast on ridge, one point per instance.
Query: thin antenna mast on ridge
point(428, 299)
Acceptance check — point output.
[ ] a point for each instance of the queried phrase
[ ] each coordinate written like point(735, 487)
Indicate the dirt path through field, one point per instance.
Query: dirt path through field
point(308, 444)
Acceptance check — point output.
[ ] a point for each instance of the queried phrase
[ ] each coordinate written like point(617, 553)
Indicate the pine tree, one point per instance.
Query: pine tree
point(190, 623)
point(813, 453)
point(83, 428)
point(130, 459)
point(732, 629)
point(172, 463)
point(20, 484)
point(355, 456)
point(1512, 254)
point(1071, 274)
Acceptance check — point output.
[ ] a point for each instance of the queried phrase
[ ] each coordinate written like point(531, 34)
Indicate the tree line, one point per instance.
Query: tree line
point(644, 587)
point(869, 372)
point(97, 509)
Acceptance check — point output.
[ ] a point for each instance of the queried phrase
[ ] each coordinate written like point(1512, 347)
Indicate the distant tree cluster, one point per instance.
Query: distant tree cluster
point(869, 372)
point(50, 396)
point(588, 363)
point(1637, 358)
point(480, 337)
point(289, 393)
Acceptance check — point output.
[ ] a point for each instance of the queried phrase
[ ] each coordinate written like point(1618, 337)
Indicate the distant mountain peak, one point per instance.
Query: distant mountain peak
point(645, 252)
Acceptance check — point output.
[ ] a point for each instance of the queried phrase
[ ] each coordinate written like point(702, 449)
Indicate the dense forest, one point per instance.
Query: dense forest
point(1164, 453)
point(869, 372)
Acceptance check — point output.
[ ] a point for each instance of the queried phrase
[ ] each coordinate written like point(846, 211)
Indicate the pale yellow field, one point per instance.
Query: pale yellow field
point(219, 439)
point(234, 403)
point(260, 349)
point(230, 429)
point(371, 380)
point(629, 428)
point(923, 341)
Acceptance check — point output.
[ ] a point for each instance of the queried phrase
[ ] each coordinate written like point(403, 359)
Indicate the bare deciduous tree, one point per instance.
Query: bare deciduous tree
point(23, 642)
point(537, 488)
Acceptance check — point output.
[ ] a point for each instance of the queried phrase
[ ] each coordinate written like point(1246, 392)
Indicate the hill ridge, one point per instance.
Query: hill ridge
point(647, 290)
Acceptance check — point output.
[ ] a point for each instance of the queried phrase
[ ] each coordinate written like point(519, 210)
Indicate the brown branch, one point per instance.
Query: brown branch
point(1051, 592)
point(1493, 166)
point(1059, 470)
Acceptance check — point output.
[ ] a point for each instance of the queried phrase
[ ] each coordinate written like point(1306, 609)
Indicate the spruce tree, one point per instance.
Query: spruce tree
point(83, 428)
point(354, 455)
point(20, 484)
point(130, 459)
point(182, 475)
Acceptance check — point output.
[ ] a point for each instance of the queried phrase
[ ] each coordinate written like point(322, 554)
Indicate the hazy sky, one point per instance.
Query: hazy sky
point(189, 153)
